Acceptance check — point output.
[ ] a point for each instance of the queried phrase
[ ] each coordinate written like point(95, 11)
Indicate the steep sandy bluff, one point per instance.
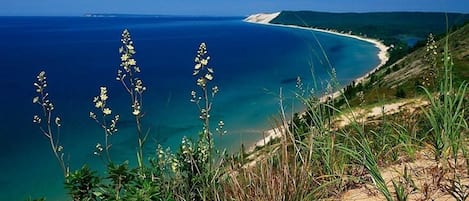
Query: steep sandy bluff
point(262, 18)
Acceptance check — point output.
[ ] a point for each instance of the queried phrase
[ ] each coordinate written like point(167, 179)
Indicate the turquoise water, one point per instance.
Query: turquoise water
point(251, 62)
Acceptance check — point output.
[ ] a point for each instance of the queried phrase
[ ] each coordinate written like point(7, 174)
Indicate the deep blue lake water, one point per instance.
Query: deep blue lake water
point(79, 54)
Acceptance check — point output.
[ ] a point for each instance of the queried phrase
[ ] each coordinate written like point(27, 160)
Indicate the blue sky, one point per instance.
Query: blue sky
point(220, 7)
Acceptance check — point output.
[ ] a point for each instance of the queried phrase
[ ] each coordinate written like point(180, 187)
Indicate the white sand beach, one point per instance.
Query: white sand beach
point(265, 19)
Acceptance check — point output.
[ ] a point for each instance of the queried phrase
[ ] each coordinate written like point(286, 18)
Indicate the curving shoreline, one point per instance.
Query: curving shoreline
point(266, 18)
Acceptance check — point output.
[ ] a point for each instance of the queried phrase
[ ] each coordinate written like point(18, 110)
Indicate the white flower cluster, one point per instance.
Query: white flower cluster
point(299, 87)
point(164, 158)
point(128, 74)
point(42, 99)
point(127, 51)
point(98, 149)
point(431, 46)
point(431, 57)
point(100, 102)
point(136, 108)
point(203, 150)
point(175, 165)
point(201, 62)
point(187, 150)
point(221, 128)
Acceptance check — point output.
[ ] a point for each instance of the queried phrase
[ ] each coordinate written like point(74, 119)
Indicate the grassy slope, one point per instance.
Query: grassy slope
point(314, 160)
point(382, 90)
point(422, 177)
point(410, 71)
point(413, 64)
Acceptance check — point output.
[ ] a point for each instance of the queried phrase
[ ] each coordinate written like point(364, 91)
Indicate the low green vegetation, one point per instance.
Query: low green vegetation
point(422, 67)
point(312, 159)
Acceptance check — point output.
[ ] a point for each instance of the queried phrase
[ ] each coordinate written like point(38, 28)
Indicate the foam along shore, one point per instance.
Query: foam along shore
point(264, 18)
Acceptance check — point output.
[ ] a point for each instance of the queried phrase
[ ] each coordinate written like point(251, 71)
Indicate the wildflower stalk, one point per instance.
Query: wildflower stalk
point(205, 75)
point(134, 86)
point(47, 107)
point(108, 128)
point(446, 114)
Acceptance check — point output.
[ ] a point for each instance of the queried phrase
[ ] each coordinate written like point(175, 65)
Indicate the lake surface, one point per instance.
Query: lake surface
point(80, 54)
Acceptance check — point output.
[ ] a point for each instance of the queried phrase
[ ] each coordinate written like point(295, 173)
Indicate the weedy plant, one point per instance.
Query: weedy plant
point(446, 114)
point(187, 175)
point(109, 127)
point(194, 167)
point(448, 126)
point(122, 182)
point(128, 76)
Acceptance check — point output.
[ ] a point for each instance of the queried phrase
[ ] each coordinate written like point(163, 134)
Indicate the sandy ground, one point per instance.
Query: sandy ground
point(428, 180)
point(361, 115)
point(264, 18)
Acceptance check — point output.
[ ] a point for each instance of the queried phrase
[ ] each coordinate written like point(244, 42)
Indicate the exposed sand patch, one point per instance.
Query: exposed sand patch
point(429, 177)
point(262, 18)
point(362, 115)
